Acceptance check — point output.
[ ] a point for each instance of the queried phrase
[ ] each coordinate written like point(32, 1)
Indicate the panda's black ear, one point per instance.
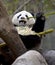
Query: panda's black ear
point(32, 14)
point(18, 16)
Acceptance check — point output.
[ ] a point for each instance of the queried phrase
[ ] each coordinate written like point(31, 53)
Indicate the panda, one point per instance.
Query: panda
point(26, 26)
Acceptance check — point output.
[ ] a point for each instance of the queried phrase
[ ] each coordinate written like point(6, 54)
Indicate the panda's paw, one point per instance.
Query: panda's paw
point(40, 17)
point(39, 14)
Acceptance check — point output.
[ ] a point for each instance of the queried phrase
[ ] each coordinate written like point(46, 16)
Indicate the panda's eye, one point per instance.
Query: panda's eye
point(18, 16)
point(27, 16)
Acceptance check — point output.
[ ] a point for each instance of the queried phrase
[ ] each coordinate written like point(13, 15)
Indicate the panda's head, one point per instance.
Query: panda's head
point(23, 18)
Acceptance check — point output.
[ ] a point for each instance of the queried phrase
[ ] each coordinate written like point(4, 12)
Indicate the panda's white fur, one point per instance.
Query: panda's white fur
point(29, 19)
point(25, 31)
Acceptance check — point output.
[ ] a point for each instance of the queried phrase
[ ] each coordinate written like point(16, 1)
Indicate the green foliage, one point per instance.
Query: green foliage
point(48, 5)
point(12, 5)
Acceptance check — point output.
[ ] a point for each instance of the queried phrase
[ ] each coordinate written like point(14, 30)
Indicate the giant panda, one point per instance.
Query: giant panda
point(27, 26)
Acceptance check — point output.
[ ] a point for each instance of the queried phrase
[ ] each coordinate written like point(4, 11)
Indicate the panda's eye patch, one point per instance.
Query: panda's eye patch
point(18, 16)
point(27, 16)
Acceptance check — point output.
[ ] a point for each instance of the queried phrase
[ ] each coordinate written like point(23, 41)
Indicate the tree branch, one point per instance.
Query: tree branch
point(9, 35)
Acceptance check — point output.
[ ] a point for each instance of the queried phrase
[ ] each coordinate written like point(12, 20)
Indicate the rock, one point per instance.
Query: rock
point(50, 57)
point(31, 57)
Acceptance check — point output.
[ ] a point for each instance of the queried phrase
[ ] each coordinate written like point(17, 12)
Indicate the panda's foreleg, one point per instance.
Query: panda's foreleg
point(39, 24)
point(39, 27)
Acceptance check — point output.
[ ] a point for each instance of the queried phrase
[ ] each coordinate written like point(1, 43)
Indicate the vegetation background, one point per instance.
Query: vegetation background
point(46, 6)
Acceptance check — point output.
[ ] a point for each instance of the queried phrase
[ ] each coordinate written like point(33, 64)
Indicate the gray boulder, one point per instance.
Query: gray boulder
point(50, 57)
point(31, 57)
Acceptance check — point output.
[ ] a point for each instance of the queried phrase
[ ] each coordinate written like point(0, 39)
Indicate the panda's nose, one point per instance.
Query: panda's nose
point(22, 18)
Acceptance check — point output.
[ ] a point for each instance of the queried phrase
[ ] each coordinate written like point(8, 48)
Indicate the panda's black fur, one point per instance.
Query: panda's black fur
point(40, 23)
point(31, 41)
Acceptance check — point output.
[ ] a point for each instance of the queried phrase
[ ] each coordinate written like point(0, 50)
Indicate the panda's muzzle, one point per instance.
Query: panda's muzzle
point(22, 21)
